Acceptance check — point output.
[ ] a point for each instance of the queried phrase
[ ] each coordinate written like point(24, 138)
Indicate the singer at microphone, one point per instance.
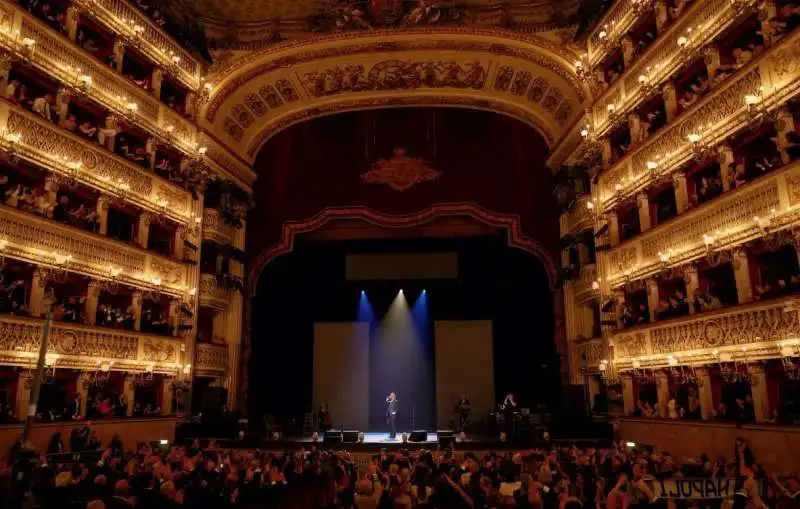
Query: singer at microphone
point(392, 406)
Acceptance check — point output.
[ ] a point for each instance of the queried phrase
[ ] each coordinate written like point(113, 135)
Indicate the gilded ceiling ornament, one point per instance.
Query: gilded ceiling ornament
point(401, 172)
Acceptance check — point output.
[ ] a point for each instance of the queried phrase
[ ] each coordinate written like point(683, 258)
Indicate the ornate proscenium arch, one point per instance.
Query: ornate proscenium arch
point(509, 222)
point(527, 77)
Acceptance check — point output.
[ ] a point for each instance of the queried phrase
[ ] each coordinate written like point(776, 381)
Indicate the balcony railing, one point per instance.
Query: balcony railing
point(615, 22)
point(773, 76)
point(215, 228)
point(212, 294)
point(745, 333)
point(721, 224)
point(211, 358)
point(586, 287)
point(663, 58)
point(590, 353)
point(60, 58)
point(82, 347)
point(577, 219)
point(43, 241)
point(47, 145)
point(120, 16)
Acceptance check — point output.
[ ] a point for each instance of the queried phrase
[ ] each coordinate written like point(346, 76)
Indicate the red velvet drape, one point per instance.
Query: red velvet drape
point(492, 161)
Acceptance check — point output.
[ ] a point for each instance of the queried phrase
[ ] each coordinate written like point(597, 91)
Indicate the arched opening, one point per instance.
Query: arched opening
point(301, 293)
point(466, 183)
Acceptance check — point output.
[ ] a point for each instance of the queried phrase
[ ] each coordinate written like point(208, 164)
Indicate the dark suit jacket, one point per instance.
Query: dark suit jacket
point(392, 407)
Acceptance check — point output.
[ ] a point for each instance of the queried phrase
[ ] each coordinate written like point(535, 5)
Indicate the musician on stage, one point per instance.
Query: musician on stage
point(392, 407)
point(463, 407)
point(509, 407)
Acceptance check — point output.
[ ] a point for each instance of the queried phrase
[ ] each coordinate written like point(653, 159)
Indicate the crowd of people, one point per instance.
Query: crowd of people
point(617, 477)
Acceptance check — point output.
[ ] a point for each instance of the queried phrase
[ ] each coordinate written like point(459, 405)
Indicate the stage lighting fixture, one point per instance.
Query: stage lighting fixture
point(401, 291)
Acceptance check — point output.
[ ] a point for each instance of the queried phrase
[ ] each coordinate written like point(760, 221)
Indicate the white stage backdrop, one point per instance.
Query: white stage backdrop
point(341, 372)
point(464, 365)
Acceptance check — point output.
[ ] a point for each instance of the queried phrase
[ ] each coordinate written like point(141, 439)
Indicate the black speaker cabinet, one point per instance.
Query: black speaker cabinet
point(350, 436)
point(333, 436)
point(419, 435)
point(445, 437)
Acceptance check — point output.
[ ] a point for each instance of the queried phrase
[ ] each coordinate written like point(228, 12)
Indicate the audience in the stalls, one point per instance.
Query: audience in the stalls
point(546, 478)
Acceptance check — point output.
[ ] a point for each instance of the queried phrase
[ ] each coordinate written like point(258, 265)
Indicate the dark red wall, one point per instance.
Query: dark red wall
point(492, 161)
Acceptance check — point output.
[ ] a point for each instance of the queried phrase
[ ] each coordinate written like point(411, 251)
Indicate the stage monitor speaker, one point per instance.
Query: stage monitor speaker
point(419, 435)
point(333, 436)
point(350, 436)
point(446, 437)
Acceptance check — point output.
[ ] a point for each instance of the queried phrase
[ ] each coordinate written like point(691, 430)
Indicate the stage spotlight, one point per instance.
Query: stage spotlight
point(400, 292)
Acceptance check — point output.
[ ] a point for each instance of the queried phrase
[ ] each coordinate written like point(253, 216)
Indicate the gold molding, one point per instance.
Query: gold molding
point(35, 239)
point(210, 359)
point(83, 347)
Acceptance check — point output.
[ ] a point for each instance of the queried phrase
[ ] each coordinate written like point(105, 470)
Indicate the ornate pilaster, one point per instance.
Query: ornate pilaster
point(82, 388)
point(670, 97)
point(785, 125)
point(71, 22)
point(92, 298)
point(607, 153)
point(628, 399)
point(174, 310)
point(652, 298)
point(5, 68)
point(635, 126)
point(102, 215)
point(643, 202)
point(681, 192)
point(136, 304)
point(627, 51)
point(613, 228)
point(36, 297)
point(167, 392)
point(706, 395)
point(619, 306)
point(63, 99)
point(180, 238)
point(662, 16)
point(741, 271)
point(51, 183)
point(758, 389)
point(662, 392)
point(712, 60)
point(692, 281)
point(725, 159)
point(129, 390)
point(108, 135)
point(156, 79)
point(119, 54)
point(143, 231)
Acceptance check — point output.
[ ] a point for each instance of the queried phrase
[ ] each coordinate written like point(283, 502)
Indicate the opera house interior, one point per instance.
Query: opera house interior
point(399, 253)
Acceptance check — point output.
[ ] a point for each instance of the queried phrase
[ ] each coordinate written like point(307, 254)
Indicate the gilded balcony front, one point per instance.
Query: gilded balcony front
point(578, 218)
point(211, 359)
point(60, 58)
point(212, 294)
point(83, 347)
point(614, 22)
point(53, 148)
point(724, 223)
point(119, 15)
point(215, 228)
point(744, 333)
point(42, 241)
point(590, 353)
point(586, 286)
point(773, 76)
point(664, 58)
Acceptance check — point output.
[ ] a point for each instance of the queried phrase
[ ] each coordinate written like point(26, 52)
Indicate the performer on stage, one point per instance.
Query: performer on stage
point(392, 406)
point(509, 407)
point(463, 407)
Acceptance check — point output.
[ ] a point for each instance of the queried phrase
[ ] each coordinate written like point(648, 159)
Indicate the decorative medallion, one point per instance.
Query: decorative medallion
point(400, 172)
point(67, 342)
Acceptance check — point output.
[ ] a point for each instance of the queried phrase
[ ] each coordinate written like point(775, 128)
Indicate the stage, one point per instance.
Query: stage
point(377, 437)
